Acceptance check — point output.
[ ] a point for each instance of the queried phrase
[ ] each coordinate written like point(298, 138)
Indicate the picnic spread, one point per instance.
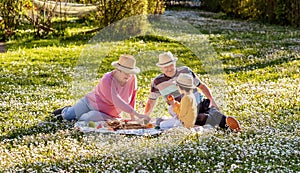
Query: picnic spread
point(125, 127)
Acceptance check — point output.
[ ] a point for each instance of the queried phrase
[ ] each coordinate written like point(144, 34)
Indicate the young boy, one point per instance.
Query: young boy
point(188, 105)
point(202, 118)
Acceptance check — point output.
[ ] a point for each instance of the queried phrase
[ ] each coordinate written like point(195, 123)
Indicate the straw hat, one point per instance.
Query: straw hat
point(185, 80)
point(126, 63)
point(166, 59)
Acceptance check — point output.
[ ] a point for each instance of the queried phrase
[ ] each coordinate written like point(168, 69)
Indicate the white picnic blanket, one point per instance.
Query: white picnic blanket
point(83, 127)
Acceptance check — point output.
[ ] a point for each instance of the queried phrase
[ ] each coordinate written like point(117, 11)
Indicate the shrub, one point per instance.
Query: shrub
point(211, 5)
point(11, 16)
point(156, 7)
point(272, 11)
point(110, 11)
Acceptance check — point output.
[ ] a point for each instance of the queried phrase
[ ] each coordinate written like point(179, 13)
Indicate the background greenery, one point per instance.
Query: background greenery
point(39, 16)
point(261, 64)
point(272, 11)
point(44, 18)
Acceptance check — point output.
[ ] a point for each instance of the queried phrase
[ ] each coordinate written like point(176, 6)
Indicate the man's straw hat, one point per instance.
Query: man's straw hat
point(166, 59)
point(126, 63)
point(185, 80)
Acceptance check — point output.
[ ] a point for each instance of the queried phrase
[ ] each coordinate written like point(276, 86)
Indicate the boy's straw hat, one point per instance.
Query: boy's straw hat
point(166, 59)
point(185, 80)
point(126, 63)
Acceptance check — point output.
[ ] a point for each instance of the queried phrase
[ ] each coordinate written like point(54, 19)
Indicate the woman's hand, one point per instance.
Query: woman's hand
point(132, 117)
point(142, 116)
point(145, 117)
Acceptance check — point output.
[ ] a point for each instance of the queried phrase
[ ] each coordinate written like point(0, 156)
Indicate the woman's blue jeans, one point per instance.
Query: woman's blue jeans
point(83, 111)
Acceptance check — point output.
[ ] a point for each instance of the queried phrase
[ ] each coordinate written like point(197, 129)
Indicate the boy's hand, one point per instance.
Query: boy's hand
point(171, 99)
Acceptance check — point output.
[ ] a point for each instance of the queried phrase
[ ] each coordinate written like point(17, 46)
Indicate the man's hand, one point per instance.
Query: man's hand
point(205, 90)
point(149, 106)
point(213, 103)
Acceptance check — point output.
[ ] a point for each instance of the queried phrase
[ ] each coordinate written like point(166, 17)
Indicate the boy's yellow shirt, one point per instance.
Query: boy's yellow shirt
point(176, 107)
point(188, 110)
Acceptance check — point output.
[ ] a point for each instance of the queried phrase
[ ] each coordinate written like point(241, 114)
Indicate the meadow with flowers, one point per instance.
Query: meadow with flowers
point(261, 65)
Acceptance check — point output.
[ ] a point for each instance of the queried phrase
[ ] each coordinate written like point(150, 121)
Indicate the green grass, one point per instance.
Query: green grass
point(261, 73)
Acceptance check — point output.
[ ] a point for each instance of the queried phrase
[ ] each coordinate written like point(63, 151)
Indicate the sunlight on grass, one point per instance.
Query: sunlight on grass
point(261, 90)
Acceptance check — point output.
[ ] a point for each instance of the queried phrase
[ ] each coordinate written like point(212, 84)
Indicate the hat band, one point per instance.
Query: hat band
point(125, 66)
point(184, 84)
point(167, 62)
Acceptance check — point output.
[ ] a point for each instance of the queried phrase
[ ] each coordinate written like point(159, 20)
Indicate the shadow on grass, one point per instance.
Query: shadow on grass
point(260, 65)
point(80, 38)
point(49, 125)
point(84, 165)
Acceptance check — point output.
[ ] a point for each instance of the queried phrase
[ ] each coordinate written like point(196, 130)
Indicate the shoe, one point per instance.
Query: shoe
point(59, 117)
point(233, 124)
point(58, 113)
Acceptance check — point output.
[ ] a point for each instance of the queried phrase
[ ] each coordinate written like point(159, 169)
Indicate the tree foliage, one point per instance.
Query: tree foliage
point(11, 14)
point(110, 11)
point(211, 5)
point(273, 11)
point(16, 13)
point(41, 18)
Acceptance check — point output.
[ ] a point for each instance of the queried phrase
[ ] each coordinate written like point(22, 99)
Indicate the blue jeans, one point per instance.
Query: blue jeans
point(198, 97)
point(83, 111)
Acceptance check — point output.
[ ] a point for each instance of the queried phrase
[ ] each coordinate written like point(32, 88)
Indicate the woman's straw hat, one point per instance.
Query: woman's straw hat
point(166, 59)
point(185, 80)
point(126, 63)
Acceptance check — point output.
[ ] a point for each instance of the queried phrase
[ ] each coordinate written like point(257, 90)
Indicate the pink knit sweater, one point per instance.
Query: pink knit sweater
point(111, 98)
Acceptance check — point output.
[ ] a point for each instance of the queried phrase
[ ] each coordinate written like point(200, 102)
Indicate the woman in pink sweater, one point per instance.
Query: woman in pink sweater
point(115, 93)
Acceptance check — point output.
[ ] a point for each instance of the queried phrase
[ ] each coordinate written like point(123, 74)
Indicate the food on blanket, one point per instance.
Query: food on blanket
point(115, 124)
point(134, 126)
point(121, 125)
point(92, 124)
point(149, 125)
point(125, 121)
